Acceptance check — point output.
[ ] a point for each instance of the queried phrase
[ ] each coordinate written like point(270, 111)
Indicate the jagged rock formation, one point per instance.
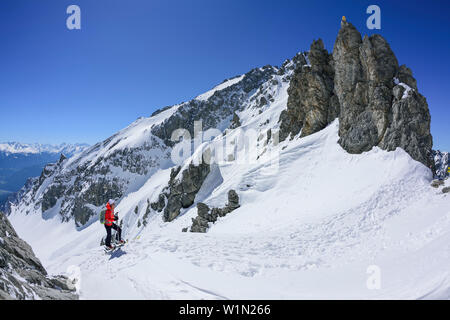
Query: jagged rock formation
point(437, 183)
point(235, 122)
point(376, 100)
point(22, 275)
point(182, 188)
point(217, 108)
point(207, 215)
point(312, 104)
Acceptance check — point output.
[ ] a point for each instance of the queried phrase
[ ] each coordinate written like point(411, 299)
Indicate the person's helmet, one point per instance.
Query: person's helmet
point(111, 201)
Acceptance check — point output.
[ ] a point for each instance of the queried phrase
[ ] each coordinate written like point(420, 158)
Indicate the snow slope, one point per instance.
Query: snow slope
point(314, 221)
point(310, 229)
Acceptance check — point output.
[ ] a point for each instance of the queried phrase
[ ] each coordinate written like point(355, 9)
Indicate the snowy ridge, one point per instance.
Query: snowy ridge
point(77, 188)
point(225, 84)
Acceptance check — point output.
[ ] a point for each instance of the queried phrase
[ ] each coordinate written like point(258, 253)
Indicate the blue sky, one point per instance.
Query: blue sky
point(133, 57)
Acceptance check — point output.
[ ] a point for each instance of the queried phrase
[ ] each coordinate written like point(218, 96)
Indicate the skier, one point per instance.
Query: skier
point(110, 217)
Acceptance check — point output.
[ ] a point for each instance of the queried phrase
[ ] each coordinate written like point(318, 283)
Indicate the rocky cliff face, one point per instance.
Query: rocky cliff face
point(312, 104)
point(216, 110)
point(22, 275)
point(182, 190)
point(208, 215)
point(376, 100)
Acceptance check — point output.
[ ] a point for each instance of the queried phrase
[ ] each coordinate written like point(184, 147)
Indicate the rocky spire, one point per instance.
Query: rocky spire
point(376, 107)
point(376, 100)
point(312, 103)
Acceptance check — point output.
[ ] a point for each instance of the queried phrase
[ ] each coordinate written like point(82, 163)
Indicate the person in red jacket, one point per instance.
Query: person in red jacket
point(110, 217)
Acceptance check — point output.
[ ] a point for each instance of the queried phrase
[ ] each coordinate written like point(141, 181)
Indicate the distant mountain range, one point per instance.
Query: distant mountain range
point(10, 148)
point(20, 161)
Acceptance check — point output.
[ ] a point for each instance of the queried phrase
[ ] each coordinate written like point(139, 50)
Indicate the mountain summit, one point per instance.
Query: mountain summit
point(361, 83)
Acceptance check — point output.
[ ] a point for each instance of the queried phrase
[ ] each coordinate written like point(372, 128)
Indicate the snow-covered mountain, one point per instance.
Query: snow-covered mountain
point(19, 162)
point(309, 180)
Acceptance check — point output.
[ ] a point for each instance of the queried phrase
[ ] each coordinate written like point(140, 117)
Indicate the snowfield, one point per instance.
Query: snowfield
point(319, 224)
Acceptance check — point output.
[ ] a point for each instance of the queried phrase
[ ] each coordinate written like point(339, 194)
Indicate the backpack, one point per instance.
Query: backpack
point(102, 216)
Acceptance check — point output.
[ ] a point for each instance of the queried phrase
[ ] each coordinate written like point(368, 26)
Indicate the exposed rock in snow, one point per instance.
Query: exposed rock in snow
point(21, 274)
point(370, 115)
point(437, 183)
point(183, 188)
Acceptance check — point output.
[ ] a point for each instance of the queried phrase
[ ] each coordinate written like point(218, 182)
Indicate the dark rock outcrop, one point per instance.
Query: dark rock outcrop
point(311, 104)
point(22, 275)
point(160, 204)
point(205, 215)
point(376, 100)
point(375, 110)
point(437, 183)
point(181, 192)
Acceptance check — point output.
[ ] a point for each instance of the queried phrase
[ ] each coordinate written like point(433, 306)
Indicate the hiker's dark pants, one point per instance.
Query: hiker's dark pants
point(108, 233)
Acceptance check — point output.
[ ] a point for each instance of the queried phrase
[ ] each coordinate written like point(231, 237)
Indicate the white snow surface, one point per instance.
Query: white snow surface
point(313, 221)
point(310, 229)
